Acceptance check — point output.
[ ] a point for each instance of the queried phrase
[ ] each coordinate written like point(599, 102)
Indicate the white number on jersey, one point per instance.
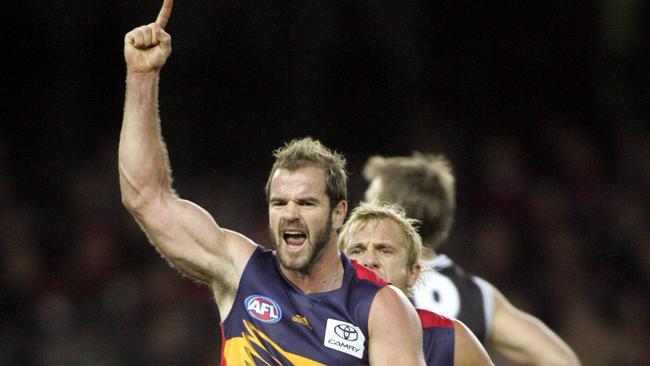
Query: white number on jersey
point(435, 292)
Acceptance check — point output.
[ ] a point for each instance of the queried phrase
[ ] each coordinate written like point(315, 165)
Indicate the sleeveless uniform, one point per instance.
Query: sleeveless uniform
point(437, 338)
point(445, 288)
point(272, 322)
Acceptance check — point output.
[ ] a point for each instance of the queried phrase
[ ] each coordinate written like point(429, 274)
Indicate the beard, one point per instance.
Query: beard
point(313, 252)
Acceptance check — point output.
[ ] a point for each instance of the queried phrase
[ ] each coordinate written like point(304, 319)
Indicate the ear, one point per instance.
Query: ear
point(338, 214)
point(414, 274)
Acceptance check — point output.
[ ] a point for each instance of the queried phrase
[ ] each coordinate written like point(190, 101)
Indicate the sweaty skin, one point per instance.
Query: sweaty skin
point(192, 241)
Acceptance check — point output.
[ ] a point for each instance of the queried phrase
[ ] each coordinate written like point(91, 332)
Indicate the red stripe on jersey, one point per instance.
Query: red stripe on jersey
point(223, 346)
point(430, 319)
point(365, 273)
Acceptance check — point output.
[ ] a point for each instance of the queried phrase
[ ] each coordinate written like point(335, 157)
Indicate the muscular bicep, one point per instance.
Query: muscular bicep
point(190, 239)
point(395, 330)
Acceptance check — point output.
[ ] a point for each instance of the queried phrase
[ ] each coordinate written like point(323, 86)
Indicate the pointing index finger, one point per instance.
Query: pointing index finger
point(165, 13)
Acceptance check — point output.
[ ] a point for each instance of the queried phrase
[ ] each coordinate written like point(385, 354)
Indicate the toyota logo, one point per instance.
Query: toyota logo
point(346, 332)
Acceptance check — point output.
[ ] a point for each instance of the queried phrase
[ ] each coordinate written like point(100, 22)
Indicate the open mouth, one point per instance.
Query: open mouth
point(294, 237)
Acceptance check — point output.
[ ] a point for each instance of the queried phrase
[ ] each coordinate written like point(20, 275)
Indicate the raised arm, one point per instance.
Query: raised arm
point(186, 235)
point(526, 340)
point(395, 330)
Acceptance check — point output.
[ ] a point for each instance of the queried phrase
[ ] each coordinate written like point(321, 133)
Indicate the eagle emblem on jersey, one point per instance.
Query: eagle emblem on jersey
point(256, 348)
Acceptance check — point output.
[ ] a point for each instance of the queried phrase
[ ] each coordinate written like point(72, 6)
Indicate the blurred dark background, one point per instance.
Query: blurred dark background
point(543, 108)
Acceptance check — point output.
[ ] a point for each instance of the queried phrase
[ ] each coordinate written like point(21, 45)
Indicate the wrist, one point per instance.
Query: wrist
point(137, 77)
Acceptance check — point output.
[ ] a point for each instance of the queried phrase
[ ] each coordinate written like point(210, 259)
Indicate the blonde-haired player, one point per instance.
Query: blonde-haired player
point(383, 239)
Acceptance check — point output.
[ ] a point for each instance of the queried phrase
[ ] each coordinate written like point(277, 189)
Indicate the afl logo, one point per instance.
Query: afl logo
point(263, 309)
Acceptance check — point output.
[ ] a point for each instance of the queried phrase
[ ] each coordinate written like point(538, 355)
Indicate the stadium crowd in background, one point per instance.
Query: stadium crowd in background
point(552, 194)
point(81, 286)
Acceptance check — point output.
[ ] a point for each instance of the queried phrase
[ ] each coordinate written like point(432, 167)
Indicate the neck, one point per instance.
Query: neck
point(326, 274)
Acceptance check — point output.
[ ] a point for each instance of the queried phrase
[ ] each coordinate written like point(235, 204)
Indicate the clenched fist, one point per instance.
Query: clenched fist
point(146, 48)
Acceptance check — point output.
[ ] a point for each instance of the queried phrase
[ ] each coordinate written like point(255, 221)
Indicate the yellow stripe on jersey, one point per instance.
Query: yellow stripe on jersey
point(251, 349)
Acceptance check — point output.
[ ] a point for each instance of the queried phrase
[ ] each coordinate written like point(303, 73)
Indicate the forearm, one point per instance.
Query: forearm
point(548, 355)
point(526, 340)
point(548, 348)
point(143, 162)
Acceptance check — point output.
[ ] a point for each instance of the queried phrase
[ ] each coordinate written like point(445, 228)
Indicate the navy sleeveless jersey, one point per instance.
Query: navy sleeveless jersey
point(437, 338)
point(272, 322)
point(446, 289)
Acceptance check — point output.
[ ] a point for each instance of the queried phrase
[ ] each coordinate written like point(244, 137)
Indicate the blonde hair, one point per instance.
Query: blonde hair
point(372, 211)
point(424, 185)
point(300, 153)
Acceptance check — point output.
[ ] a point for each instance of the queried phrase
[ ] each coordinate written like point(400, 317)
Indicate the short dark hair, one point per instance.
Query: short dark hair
point(303, 152)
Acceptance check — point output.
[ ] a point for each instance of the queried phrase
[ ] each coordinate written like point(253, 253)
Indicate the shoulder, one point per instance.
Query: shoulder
point(263, 253)
point(438, 262)
point(258, 266)
point(445, 266)
point(391, 304)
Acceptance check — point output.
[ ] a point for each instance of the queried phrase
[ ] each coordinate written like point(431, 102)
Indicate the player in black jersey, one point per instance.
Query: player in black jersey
point(425, 186)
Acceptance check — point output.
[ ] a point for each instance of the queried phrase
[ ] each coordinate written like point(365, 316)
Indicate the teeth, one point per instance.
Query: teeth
point(293, 232)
